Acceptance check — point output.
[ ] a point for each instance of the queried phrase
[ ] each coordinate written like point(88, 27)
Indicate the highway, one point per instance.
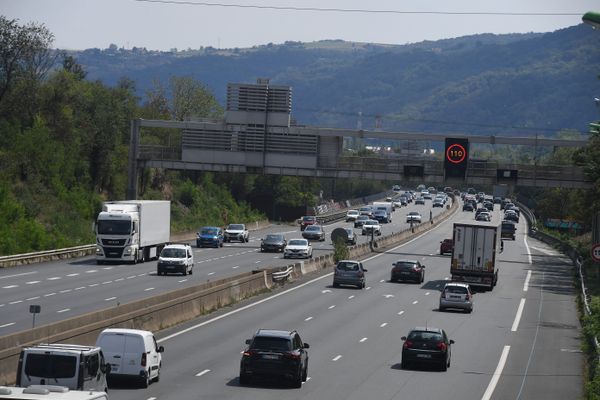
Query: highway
point(69, 288)
point(522, 340)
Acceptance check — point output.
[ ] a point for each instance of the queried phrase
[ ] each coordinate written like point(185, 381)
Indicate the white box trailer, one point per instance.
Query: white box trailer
point(132, 230)
point(473, 258)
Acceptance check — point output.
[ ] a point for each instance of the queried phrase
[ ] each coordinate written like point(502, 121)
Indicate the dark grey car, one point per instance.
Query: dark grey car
point(349, 272)
point(273, 242)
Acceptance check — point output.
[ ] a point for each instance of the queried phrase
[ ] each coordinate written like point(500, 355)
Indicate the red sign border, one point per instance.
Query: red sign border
point(592, 252)
point(463, 150)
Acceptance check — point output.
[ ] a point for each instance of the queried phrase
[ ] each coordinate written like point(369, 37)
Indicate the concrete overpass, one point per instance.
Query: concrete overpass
point(257, 136)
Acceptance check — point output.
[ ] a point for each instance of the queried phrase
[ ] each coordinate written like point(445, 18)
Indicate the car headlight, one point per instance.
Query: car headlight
point(127, 251)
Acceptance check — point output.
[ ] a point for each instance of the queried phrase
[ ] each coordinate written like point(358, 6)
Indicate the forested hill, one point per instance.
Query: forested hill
point(519, 84)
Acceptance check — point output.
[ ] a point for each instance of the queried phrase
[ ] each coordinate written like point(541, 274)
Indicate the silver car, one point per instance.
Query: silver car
point(349, 272)
point(456, 295)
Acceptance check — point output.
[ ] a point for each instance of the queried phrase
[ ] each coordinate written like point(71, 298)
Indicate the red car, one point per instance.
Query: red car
point(446, 246)
point(307, 220)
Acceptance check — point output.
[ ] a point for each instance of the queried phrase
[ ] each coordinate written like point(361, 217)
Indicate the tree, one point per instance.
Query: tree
point(192, 99)
point(24, 53)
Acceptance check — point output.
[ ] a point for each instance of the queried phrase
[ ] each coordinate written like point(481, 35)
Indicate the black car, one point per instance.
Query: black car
point(468, 207)
point(407, 270)
point(489, 205)
point(273, 242)
point(426, 345)
point(360, 220)
point(275, 353)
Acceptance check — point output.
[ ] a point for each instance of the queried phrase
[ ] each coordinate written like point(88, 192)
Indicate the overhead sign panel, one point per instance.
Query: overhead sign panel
point(456, 157)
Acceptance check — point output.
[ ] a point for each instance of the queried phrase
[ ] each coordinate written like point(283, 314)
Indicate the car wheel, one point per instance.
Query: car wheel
point(244, 379)
point(444, 366)
point(305, 373)
point(404, 364)
point(423, 278)
point(336, 285)
point(440, 308)
point(157, 377)
point(220, 244)
point(297, 380)
point(145, 381)
point(191, 270)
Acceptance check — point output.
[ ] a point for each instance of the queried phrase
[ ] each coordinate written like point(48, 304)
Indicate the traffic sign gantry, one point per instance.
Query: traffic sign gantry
point(596, 252)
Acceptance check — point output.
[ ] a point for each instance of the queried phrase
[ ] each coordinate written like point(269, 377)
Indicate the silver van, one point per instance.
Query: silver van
point(73, 366)
point(132, 353)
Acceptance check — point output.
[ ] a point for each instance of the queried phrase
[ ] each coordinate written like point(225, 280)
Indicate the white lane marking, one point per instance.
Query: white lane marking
point(181, 281)
point(388, 296)
point(119, 280)
point(106, 283)
point(49, 294)
point(427, 294)
point(54, 278)
point(236, 267)
point(91, 271)
point(32, 298)
point(93, 285)
point(110, 298)
point(257, 262)
point(75, 274)
point(80, 287)
point(446, 279)
point(331, 307)
point(283, 293)
point(415, 302)
point(5, 325)
point(65, 291)
point(10, 286)
point(32, 282)
point(16, 302)
point(400, 312)
point(326, 291)
point(350, 297)
point(151, 398)
point(308, 319)
point(142, 275)
point(16, 275)
point(130, 277)
point(526, 284)
point(545, 251)
point(336, 357)
point(211, 273)
point(515, 324)
point(368, 288)
point(363, 340)
point(383, 325)
point(528, 250)
point(496, 376)
point(206, 371)
point(107, 268)
point(63, 310)
point(381, 281)
point(148, 289)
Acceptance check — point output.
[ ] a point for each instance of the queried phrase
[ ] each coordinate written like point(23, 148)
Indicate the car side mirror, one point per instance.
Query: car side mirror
point(161, 349)
point(248, 341)
point(105, 368)
point(306, 346)
point(366, 270)
point(403, 338)
point(422, 266)
point(451, 341)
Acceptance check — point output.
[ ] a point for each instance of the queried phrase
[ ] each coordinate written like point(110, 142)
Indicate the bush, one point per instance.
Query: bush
point(340, 250)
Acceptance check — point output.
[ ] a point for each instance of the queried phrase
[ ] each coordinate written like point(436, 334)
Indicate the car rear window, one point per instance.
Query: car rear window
point(456, 289)
point(425, 336)
point(404, 265)
point(173, 253)
point(271, 343)
point(50, 366)
point(345, 266)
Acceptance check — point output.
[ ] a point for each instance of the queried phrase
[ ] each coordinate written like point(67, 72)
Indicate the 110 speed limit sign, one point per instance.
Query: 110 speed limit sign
point(596, 252)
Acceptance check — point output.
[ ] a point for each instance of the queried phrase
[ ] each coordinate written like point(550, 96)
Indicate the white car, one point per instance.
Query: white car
point(371, 226)
point(236, 232)
point(178, 258)
point(351, 215)
point(413, 216)
point(298, 248)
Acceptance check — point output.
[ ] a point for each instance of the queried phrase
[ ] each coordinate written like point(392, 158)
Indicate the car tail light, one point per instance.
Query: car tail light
point(144, 358)
point(248, 353)
point(407, 344)
point(442, 346)
point(360, 274)
point(468, 297)
point(444, 294)
point(292, 355)
point(415, 268)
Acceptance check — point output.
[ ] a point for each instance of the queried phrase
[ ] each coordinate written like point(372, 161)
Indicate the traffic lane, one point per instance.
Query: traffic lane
point(545, 356)
point(319, 332)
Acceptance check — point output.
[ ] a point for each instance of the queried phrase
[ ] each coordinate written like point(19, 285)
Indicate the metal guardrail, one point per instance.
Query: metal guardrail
point(282, 274)
point(58, 254)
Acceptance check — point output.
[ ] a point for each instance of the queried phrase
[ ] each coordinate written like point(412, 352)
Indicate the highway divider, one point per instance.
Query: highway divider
point(175, 307)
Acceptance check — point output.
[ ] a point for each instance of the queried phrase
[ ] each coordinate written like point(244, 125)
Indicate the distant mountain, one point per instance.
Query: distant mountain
point(519, 84)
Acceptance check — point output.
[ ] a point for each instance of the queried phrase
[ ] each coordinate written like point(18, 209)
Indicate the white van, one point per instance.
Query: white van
point(49, 392)
point(73, 366)
point(132, 353)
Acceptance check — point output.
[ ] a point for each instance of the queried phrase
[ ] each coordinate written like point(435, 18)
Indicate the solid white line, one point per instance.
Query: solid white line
point(526, 285)
point(5, 325)
point(336, 358)
point(363, 340)
point(206, 371)
point(515, 324)
point(63, 310)
point(15, 275)
point(528, 250)
point(496, 377)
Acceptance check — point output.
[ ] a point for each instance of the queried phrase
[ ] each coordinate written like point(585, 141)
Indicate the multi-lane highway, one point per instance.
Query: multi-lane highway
point(68, 288)
point(521, 342)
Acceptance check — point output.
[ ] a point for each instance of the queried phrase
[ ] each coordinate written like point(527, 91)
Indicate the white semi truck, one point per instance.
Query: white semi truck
point(132, 230)
point(473, 258)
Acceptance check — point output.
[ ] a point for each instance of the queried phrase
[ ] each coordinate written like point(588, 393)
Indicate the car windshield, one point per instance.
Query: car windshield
point(413, 213)
point(349, 231)
point(271, 343)
point(347, 266)
point(173, 253)
point(274, 238)
point(352, 212)
point(297, 242)
point(114, 227)
point(308, 219)
point(425, 336)
point(236, 227)
point(209, 231)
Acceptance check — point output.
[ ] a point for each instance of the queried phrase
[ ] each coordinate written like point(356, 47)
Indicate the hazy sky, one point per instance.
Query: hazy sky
point(81, 24)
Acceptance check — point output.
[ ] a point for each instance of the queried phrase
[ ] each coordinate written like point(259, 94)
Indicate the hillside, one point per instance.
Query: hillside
point(519, 84)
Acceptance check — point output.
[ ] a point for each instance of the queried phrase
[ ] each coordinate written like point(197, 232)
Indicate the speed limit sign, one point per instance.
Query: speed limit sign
point(596, 252)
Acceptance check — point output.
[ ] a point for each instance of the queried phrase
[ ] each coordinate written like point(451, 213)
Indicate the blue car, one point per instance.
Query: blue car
point(209, 236)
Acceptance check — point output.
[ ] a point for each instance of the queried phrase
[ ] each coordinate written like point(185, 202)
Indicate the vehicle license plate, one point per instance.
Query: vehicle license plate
point(270, 356)
point(455, 297)
point(423, 355)
point(404, 273)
